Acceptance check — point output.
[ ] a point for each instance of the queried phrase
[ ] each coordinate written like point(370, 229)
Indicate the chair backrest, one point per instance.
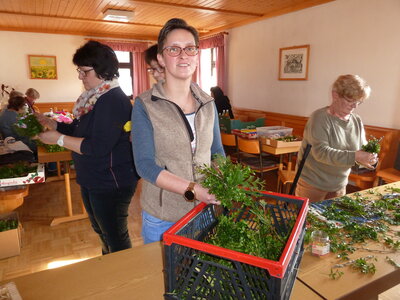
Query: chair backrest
point(397, 162)
point(248, 146)
point(299, 169)
point(228, 139)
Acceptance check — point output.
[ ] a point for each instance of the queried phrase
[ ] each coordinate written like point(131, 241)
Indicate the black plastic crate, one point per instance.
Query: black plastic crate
point(197, 270)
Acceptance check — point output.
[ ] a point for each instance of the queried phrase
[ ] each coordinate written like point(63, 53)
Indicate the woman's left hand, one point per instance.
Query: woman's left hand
point(49, 137)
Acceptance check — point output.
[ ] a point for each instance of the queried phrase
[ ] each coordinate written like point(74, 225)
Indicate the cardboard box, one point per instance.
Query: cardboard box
point(34, 177)
point(10, 240)
point(280, 144)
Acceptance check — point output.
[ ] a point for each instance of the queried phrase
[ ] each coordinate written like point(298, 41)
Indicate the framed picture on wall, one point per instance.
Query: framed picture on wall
point(293, 62)
point(42, 67)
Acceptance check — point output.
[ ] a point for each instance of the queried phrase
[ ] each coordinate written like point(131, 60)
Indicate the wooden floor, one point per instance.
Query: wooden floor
point(43, 245)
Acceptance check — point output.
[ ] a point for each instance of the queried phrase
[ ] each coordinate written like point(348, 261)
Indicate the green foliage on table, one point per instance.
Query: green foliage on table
point(28, 125)
point(373, 145)
point(353, 235)
point(235, 186)
point(18, 169)
point(8, 224)
point(288, 138)
point(51, 148)
point(230, 183)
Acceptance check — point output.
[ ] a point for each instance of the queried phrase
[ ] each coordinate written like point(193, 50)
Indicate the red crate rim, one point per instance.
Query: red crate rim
point(275, 268)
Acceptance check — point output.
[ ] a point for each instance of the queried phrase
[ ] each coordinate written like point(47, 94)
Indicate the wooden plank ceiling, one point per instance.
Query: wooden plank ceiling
point(85, 17)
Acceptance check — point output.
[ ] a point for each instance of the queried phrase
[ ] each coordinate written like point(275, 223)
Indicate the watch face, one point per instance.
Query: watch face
point(189, 195)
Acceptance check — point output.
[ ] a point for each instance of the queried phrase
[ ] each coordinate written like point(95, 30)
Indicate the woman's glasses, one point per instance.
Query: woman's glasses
point(152, 70)
point(176, 50)
point(352, 102)
point(83, 72)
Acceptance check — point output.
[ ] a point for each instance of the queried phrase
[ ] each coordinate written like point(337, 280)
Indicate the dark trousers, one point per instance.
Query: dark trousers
point(108, 213)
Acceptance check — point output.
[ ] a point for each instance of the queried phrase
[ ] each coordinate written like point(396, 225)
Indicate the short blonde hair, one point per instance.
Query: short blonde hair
point(15, 93)
point(32, 93)
point(352, 87)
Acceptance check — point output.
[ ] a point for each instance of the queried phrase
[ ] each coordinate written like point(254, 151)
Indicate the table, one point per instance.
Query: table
point(130, 274)
point(13, 198)
point(65, 157)
point(352, 285)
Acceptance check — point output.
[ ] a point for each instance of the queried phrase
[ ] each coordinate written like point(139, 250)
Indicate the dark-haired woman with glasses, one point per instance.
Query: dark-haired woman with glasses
point(100, 146)
point(175, 129)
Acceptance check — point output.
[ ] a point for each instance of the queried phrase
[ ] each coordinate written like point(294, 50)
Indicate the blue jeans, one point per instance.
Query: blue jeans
point(153, 228)
point(108, 214)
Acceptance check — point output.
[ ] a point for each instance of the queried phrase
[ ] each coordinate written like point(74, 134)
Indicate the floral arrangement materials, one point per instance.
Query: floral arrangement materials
point(8, 224)
point(18, 169)
point(28, 125)
point(236, 186)
point(288, 138)
point(352, 222)
point(200, 262)
point(51, 147)
point(60, 116)
point(373, 145)
point(230, 182)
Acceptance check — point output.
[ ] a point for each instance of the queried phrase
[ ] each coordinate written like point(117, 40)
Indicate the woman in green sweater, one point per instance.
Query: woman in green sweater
point(336, 135)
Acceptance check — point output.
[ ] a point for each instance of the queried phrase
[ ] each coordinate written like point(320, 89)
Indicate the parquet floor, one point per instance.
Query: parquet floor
point(43, 244)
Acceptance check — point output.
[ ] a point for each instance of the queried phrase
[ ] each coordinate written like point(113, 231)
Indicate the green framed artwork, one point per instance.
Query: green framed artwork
point(42, 67)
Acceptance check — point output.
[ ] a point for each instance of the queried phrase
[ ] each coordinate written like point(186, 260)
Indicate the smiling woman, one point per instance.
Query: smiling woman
point(175, 129)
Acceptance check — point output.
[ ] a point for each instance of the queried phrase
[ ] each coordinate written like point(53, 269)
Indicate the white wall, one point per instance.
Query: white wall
point(15, 47)
point(346, 36)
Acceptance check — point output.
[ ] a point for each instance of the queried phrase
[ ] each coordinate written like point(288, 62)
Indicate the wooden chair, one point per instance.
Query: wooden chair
point(390, 175)
point(290, 175)
point(249, 154)
point(229, 143)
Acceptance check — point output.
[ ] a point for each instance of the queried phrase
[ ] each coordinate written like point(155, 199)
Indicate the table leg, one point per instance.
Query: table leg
point(71, 216)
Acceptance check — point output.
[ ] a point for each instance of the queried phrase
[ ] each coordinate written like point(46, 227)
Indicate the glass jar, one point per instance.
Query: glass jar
point(320, 243)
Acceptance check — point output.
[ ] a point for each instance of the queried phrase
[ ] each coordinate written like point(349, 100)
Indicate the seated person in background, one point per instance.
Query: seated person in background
point(8, 118)
point(221, 101)
point(151, 59)
point(31, 95)
point(336, 135)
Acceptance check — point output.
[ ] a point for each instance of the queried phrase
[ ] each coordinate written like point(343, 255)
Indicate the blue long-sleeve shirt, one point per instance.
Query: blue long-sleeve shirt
point(144, 148)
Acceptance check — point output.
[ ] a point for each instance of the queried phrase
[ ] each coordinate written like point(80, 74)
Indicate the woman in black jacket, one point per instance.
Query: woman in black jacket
point(100, 145)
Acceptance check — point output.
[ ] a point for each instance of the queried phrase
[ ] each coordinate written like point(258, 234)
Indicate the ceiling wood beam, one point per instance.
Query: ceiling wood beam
point(78, 19)
point(136, 37)
point(194, 7)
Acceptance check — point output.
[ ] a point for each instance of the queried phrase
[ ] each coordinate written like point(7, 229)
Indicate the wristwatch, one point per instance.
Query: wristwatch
point(60, 141)
point(190, 194)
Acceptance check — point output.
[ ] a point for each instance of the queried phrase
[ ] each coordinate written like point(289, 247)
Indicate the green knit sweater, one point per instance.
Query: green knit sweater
point(334, 143)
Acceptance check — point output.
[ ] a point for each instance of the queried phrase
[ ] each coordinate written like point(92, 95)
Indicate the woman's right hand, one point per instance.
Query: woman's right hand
point(203, 195)
point(46, 122)
point(366, 159)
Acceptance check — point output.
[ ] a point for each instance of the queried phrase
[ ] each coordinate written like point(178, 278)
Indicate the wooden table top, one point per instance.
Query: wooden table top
point(44, 156)
point(314, 271)
point(130, 274)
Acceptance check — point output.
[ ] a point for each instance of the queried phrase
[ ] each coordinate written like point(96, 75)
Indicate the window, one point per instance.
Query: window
point(125, 71)
point(208, 69)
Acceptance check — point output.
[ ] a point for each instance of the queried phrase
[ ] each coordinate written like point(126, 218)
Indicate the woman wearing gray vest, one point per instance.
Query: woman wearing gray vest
point(174, 129)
